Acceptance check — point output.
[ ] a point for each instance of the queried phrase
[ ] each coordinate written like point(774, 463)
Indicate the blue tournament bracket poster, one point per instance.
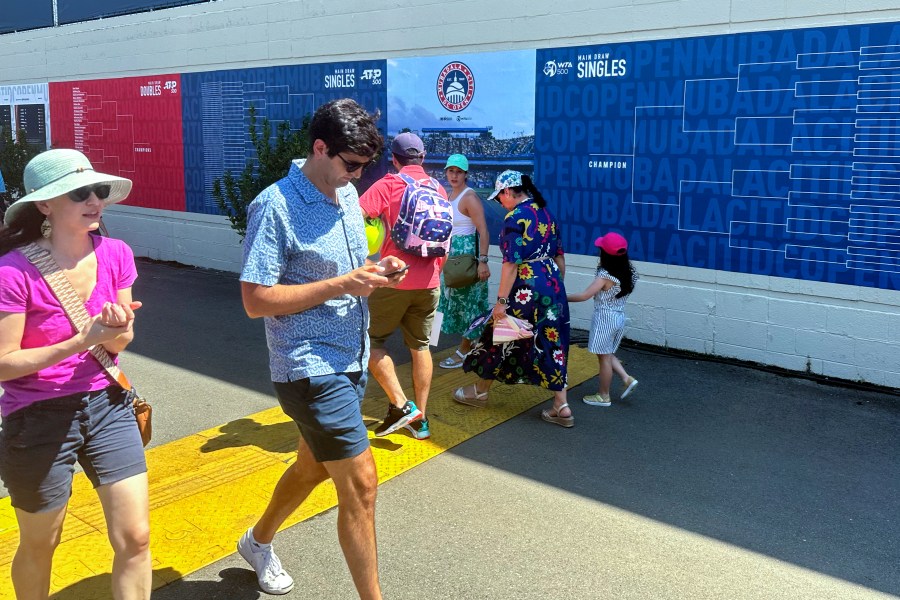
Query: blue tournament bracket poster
point(216, 107)
point(480, 105)
point(773, 153)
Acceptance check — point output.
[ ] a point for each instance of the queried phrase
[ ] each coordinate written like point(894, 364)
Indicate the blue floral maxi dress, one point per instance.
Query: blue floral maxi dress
point(531, 239)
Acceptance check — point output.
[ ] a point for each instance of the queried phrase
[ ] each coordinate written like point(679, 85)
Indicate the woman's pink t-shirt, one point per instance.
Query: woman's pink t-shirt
point(23, 290)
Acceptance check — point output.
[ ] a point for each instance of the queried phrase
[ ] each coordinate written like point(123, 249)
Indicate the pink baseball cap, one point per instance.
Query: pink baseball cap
point(612, 243)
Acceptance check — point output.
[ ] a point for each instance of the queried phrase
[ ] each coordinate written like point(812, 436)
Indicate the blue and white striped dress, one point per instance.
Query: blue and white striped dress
point(608, 324)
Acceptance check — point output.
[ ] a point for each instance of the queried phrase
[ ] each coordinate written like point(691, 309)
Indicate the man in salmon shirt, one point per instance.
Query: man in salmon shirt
point(411, 305)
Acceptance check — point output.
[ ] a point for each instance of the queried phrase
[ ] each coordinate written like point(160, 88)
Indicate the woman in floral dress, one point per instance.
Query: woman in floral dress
point(532, 289)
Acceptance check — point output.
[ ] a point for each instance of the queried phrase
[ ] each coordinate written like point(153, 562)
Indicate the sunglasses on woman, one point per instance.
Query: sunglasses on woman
point(83, 193)
point(355, 166)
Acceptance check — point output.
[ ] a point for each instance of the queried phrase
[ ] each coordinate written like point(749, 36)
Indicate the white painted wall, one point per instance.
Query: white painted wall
point(190, 238)
point(835, 330)
point(841, 331)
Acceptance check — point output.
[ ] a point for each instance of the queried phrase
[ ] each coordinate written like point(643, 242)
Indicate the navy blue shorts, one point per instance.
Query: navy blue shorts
point(328, 411)
point(40, 444)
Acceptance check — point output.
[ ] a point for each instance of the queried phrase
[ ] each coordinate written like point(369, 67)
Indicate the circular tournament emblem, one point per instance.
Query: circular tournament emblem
point(455, 86)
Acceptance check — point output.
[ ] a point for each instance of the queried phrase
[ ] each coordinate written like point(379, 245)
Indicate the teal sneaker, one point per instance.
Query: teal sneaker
point(398, 417)
point(419, 429)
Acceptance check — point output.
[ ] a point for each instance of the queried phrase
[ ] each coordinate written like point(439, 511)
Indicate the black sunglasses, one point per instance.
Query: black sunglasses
point(355, 166)
point(83, 193)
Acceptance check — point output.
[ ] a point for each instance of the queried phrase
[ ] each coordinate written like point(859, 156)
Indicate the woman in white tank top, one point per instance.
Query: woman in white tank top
point(460, 306)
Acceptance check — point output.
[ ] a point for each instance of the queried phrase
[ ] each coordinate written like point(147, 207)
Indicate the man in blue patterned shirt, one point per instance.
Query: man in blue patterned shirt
point(305, 271)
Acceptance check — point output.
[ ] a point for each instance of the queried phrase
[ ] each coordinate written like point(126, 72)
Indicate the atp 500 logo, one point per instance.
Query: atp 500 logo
point(372, 75)
point(455, 86)
point(553, 68)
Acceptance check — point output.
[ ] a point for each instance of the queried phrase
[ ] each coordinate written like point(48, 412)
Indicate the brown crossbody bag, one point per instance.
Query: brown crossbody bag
point(74, 308)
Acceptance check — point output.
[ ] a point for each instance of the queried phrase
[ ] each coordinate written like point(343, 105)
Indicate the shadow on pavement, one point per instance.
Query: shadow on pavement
point(789, 468)
point(274, 437)
point(194, 319)
point(235, 584)
point(795, 470)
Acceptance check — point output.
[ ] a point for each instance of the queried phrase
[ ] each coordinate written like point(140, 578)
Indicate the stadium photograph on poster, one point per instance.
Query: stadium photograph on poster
point(25, 108)
point(480, 105)
point(771, 153)
point(217, 114)
point(129, 127)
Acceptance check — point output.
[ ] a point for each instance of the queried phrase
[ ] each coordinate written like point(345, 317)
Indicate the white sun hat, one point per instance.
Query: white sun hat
point(57, 172)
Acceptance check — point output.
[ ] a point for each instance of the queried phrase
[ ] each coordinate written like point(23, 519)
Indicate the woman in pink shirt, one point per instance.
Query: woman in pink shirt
point(59, 405)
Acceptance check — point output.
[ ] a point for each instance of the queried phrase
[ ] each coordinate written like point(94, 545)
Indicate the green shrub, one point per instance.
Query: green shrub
point(274, 153)
point(14, 155)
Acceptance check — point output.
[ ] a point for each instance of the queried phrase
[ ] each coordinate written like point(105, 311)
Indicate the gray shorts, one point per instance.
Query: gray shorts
point(40, 444)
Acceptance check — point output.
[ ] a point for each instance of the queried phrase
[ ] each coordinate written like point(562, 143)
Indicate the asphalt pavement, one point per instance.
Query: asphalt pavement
point(711, 481)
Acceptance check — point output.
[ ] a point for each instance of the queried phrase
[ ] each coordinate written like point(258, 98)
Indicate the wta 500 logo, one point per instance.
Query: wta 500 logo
point(455, 86)
point(553, 68)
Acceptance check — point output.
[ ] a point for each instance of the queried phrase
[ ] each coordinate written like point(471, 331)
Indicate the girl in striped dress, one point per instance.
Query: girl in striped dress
point(615, 281)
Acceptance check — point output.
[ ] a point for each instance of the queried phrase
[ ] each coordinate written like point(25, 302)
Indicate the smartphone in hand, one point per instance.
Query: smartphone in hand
point(396, 273)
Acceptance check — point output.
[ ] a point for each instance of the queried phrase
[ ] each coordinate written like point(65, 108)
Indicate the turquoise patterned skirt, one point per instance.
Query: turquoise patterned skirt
point(462, 305)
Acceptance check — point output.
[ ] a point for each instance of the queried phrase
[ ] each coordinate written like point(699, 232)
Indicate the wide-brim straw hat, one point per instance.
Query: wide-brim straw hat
point(57, 172)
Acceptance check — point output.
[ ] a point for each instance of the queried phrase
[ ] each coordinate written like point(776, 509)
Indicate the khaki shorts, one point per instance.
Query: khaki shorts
point(410, 310)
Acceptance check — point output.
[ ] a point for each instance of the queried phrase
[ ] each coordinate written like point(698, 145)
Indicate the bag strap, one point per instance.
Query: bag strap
point(71, 303)
point(407, 179)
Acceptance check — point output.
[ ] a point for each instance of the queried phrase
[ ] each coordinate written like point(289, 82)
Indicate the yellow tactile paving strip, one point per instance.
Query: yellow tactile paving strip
point(207, 488)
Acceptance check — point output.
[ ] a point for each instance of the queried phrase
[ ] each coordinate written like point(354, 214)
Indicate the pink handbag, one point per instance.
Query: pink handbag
point(511, 329)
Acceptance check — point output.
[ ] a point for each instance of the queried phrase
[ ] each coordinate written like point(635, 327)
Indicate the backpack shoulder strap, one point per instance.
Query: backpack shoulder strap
point(407, 179)
point(430, 183)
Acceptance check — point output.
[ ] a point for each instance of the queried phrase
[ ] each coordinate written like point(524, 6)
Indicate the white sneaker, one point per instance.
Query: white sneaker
point(632, 383)
point(273, 579)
